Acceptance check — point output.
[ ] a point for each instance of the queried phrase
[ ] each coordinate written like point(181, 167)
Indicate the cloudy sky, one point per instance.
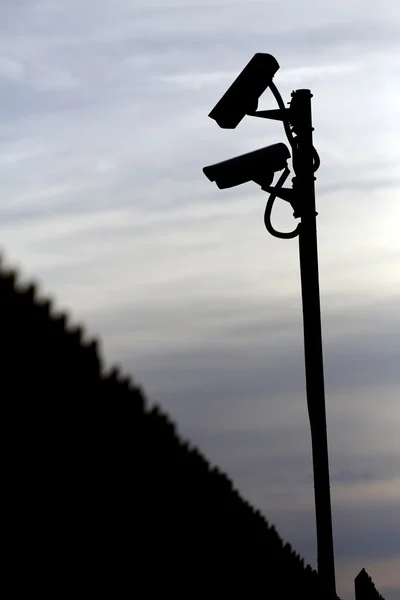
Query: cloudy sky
point(103, 137)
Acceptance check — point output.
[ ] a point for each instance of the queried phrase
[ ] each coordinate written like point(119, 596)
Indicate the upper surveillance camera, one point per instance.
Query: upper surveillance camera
point(259, 166)
point(242, 97)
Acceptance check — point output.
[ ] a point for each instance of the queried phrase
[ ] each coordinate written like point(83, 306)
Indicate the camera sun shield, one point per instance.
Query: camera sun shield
point(242, 96)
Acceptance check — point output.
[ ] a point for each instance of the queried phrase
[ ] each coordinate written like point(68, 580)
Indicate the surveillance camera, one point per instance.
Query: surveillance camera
point(259, 166)
point(242, 97)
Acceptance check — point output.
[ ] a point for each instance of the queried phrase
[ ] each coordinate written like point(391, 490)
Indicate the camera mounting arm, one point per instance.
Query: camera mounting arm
point(281, 114)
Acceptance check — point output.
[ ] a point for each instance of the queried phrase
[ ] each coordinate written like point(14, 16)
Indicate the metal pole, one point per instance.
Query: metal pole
point(303, 163)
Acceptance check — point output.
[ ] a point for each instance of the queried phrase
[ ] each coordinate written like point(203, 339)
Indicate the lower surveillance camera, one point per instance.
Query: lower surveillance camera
point(258, 166)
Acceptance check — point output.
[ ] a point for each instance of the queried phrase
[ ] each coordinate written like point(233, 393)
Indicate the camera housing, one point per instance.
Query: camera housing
point(258, 166)
point(242, 97)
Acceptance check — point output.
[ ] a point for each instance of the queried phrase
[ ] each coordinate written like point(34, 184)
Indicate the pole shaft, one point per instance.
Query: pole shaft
point(308, 250)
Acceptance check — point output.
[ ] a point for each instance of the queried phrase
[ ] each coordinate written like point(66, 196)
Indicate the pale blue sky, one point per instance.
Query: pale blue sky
point(103, 137)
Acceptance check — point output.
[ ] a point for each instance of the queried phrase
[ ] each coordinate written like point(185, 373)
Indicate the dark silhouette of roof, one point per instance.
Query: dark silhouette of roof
point(103, 497)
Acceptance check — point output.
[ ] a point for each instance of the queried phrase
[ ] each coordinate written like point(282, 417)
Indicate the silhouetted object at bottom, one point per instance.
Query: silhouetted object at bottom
point(365, 588)
point(103, 498)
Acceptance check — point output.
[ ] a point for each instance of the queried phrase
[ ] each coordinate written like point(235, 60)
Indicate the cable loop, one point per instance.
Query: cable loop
point(268, 210)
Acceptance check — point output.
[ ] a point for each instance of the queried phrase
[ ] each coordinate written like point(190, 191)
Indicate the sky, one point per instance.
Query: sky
point(103, 137)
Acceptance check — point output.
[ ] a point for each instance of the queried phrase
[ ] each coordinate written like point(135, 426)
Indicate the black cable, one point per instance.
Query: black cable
point(317, 160)
point(268, 209)
point(293, 141)
point(285, 120)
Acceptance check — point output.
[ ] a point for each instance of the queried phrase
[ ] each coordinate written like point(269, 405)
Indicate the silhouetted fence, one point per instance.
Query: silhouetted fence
point(103, 497)
point(365, 588)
